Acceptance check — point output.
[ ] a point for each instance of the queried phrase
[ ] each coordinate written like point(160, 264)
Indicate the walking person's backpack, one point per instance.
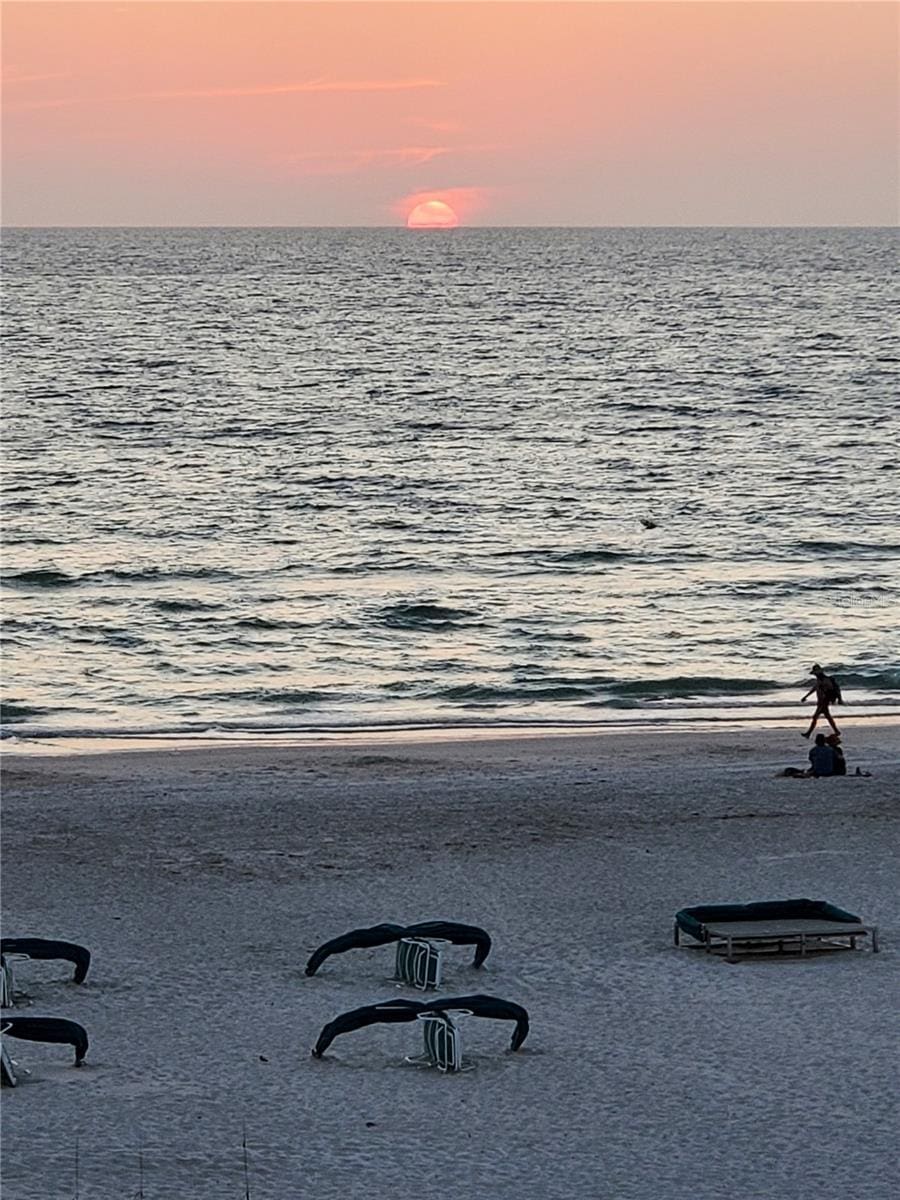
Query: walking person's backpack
point(834, 691)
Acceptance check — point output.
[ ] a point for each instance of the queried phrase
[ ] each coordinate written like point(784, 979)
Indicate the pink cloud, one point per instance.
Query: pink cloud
point(276, 89)
point(11, 77)
point(28, 105)
point(347, 161)
point(436, 126)
point(312, 85)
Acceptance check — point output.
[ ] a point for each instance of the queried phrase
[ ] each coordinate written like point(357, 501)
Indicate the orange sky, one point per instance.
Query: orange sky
point(286, 113)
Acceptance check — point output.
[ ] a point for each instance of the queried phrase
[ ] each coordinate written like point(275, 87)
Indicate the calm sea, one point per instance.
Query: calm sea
point(275, 479)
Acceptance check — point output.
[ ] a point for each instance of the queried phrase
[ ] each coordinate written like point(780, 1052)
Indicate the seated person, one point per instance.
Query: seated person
point(840, 763)
point(821, 758)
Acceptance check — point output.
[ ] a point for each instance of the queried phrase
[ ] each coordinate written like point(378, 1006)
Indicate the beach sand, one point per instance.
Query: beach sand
point(202, 880)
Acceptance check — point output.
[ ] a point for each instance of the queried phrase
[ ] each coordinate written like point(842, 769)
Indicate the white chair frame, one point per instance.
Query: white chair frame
point(8, 1075)
point(419, 962)
point(443, 1044)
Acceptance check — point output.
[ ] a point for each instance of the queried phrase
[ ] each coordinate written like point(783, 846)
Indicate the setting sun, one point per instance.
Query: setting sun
point(432, 214)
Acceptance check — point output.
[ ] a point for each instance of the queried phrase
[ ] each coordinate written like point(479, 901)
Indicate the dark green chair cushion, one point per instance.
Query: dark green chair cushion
point(692, 920)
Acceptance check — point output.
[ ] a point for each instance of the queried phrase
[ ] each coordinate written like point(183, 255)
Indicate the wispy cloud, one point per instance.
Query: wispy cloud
point(29, 105)
point(433, 126)
point(11, 77)
point(345, 162)
point(264, 89)
point(310, 85)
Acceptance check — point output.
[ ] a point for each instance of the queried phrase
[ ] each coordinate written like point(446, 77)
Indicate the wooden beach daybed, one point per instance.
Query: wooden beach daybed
point(772, 927)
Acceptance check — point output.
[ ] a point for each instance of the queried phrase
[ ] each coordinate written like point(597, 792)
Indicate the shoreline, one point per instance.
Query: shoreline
point(749, 756)
point(62, 745)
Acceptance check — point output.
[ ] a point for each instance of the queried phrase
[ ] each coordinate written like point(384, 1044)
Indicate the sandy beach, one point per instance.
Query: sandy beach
point(201, 880)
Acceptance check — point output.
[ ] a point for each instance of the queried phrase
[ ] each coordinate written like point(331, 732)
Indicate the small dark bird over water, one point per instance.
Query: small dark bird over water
point(648, 524)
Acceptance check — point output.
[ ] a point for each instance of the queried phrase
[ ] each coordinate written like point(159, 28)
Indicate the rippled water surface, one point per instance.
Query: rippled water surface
point(291, 478)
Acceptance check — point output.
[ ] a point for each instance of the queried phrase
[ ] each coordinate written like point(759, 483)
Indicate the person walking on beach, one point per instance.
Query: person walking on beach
point(827, 692)
point(821, 758)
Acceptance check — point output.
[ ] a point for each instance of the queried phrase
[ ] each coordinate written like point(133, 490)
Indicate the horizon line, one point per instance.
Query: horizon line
point(463, 228)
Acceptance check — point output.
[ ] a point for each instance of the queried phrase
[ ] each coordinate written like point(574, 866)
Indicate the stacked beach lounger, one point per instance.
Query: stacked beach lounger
point(38, 1029)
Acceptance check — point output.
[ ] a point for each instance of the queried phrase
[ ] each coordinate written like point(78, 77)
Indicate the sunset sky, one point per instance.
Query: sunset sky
point(724, 112)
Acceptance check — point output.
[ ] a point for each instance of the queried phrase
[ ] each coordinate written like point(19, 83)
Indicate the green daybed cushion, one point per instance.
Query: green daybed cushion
point(692, 920)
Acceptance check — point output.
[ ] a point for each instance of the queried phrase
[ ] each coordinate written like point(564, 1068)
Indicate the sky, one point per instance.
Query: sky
point(592, 113)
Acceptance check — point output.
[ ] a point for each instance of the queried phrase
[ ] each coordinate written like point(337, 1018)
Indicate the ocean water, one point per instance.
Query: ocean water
point(282, 479)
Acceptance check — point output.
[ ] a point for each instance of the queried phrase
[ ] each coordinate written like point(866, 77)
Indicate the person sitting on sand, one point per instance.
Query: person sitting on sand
point(840, 763)
point(821, 758)
point(827, 692)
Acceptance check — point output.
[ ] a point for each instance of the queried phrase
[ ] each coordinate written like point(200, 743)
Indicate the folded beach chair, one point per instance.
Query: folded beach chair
point(440, 1020)
point(772, 927)
point(418, 963)
point(443, 1045)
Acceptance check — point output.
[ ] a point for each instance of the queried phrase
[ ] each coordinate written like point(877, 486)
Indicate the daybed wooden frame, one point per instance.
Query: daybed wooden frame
point(738, 938)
